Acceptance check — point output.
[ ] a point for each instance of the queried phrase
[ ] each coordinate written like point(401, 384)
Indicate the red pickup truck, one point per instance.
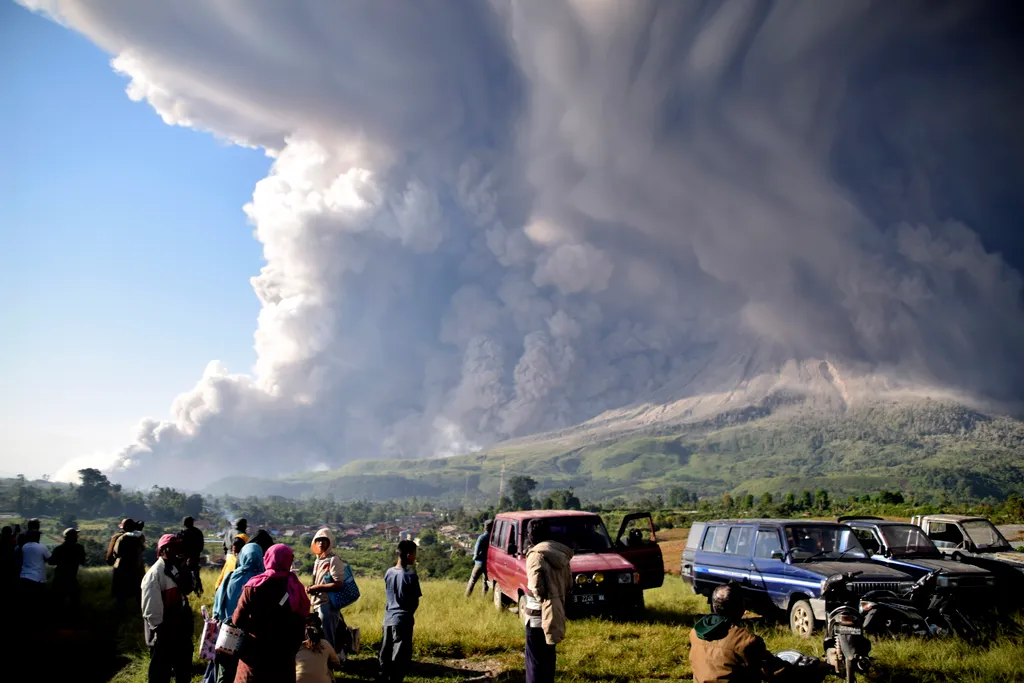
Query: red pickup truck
point(608, 576)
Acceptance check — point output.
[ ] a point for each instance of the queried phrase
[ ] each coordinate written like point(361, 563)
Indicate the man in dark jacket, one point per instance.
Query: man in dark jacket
point(480, 558)
point(722, 650)
point(66, 559)
point(192, 542)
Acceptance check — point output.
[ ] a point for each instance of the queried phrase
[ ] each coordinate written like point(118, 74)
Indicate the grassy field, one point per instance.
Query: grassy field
point(462, 640)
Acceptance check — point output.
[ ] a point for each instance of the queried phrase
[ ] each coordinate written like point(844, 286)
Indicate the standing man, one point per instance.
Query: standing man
point(549, 579)
point(483, 541)
point(328, 577)
point(125, 553)
point(402, 597)
point(192, 542)
point(66, 559)
point(166, 615)
point(32, 583)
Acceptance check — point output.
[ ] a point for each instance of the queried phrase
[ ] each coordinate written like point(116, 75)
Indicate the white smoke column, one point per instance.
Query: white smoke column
point(485, 220)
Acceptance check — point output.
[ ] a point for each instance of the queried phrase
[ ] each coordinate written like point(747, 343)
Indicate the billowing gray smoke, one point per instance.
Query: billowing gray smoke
point(486, 220)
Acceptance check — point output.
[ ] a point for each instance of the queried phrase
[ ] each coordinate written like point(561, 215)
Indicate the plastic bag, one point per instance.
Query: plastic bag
point(208, 640)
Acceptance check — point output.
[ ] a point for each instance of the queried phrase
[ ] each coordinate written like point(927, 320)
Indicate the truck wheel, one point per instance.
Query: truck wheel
point(801, 618)
point(521, 606)
point(499, 602)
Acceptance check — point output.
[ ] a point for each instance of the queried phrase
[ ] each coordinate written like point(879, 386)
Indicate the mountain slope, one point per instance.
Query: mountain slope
point(781, 444)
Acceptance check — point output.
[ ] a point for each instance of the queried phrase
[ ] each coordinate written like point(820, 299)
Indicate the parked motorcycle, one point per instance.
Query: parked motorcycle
point(922, 610)
point(846, 649)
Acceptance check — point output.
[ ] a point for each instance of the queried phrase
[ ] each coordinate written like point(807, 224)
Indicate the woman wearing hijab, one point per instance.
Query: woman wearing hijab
point(249, 564)
point(272, 611)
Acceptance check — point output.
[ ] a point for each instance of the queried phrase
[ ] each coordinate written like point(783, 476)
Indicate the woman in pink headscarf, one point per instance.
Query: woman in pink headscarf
point(272, 611)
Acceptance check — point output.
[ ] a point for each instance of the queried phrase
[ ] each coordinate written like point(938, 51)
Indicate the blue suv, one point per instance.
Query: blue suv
point(781, 564)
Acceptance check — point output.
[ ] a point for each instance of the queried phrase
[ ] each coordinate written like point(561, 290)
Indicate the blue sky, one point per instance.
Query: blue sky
point(127, 255)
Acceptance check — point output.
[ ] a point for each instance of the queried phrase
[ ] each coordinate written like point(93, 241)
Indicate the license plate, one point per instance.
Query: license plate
point(587, 599)
point(848, 630)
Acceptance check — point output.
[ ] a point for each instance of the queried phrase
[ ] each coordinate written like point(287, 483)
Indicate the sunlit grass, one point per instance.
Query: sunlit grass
point(456, 639)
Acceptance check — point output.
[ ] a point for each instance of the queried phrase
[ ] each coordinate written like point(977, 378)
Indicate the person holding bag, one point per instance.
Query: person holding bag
point(249, 565)
point(272, 613)
point(331, 589)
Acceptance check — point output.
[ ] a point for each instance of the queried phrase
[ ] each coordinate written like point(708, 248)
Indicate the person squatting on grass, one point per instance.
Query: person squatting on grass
point(272, 611)
point(167, 617)
point(316, 657)
point(66, 559)
point(722, 650)
point(548, 580)
point(483, 541)
point(401, 598)
point(328, 577)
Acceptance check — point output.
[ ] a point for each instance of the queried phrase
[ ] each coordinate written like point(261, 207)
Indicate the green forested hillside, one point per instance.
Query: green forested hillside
point(926, 448)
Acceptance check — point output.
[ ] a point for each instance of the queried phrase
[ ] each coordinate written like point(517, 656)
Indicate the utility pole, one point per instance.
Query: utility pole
point(501, 483)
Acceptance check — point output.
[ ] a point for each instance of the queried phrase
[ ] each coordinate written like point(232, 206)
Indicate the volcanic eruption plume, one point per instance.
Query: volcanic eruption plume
point(488, 219)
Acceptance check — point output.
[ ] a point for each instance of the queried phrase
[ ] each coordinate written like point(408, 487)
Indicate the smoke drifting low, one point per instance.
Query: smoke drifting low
point(489, 219)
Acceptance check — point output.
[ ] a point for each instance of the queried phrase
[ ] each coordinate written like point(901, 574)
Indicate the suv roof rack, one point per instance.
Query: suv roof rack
point(847, 518)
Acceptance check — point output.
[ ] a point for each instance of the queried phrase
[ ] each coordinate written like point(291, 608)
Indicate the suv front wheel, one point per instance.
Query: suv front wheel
point(801, 618)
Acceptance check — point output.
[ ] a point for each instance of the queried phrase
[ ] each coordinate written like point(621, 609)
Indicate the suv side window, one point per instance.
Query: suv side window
point(497, 533)
point(512, 546)
point(767, 542)
point(867, 539)
point(945, 535)
point(714, 539)
point(739, 540)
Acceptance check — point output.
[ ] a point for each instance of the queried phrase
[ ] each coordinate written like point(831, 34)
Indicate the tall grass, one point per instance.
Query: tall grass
point(458, 640)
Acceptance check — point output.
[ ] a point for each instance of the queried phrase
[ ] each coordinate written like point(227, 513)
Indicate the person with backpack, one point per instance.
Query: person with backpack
point(125, 554)
point(329, 578)
point(316, 657)
point(272, 612)
point(401, 599)
point(166, 615)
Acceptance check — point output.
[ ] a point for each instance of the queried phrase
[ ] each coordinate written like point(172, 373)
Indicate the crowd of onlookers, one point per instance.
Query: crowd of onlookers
point(23, 562)
point(283, 631)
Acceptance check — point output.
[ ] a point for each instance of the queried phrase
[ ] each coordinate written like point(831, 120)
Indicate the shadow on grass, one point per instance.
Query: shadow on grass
point(655, 615)
point(364, 670)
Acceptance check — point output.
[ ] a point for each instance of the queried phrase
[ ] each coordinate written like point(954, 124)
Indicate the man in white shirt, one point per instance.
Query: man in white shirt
point(32, 584)
point(33, 559)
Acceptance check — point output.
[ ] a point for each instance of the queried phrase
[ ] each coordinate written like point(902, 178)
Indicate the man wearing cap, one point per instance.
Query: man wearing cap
point(167, 617)
point(328, 576)
point(66, 559)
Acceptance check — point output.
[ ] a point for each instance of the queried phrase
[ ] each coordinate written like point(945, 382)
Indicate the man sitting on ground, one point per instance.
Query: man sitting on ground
point(722, 650)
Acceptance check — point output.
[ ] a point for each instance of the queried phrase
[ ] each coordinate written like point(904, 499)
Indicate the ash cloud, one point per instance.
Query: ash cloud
point(489, 219)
